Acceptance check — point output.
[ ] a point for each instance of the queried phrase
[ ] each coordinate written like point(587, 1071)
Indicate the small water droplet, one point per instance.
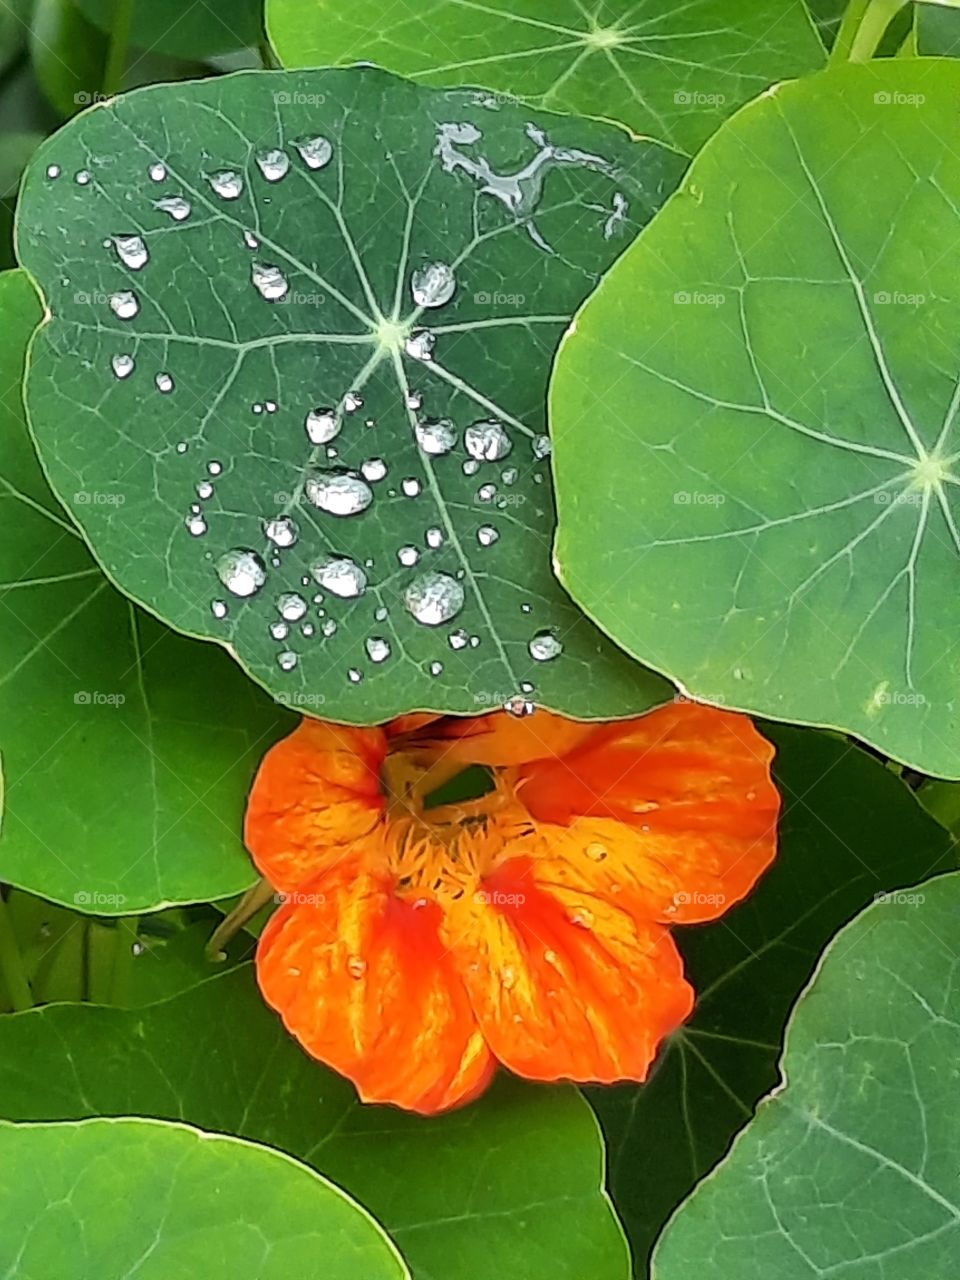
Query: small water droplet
point(434, 598)
point(582, 918)
point(164, 383)
point(433, 285)
point(411, 486)
point(241, 571)
point(420, 345)
point(53, 171)
point(434, 537)
point(340, 576)
point(214, 468)
point(82, 178)
point(279, 630)
point(329, 628)
point(378, 649)
point(487, 535)
point(526, 607)
point(542, 447)
point(314, 152)
point(157, 171)
point(282, 531)
point(132, 251)
point(381, 613)
point(352, 401)
point(226, 183)
point(250, 240)
point(414, 400)
point(218, 608)
point(508, 976)
point(123, 365)
point(339, 495)
point(273, 163)
point(486, 493)
point(124, 304)
point(307, 629)
point(270, 406)
point(509, 475)
point(291, 606)
point(518, 707)
point(436, 668)
point(545, 646)
point(322, 425)
point(287, 660)
point(457, 639)
point(436, 437)
point(596, 852)
point(196, 525)
point(487, 441)
point(471, 467)
point(373, 469)
point(182, 446)
point(354, 675)
point(204, 490)
point(269, 281)
point(175, 206)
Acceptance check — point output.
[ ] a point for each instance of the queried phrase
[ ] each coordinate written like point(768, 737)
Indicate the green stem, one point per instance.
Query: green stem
point(879, 15)
point(119, 44)
point(123, 959)
point(852, 18)
point(11, 965)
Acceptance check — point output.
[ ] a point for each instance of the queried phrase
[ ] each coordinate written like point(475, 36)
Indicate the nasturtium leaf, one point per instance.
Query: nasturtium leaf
point(127, 749)
point(672, 71)
point(233, 302)
point(851, 831)
point(850, 1168)
point(827, 16)
point(766, 384)
point(121, 1198)
point(512, 1182)
point(938, 29)
point(12, 31)
point(184, 28)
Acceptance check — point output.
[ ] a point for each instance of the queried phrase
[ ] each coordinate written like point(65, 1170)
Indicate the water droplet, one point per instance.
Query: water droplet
point(525, 607)
point(508, 976)
point(182, 446)
point(457, 639)
point(509, 475)
point(124, 304)
point(270, 281)
point(218, 608)
point(339, 495)
point(378, 649)
point(175, 206)
point(322, 425)
point(287, 660)
point(196, 525)
point(279, 630)
point(420, 344)
point(82, 178)
point(282, 531)
point(487, 441)
point(53, 171)
point(596, 852)
point(307, 629)
point(354, 675)
point(205, 490)
point(132, 251)
point(411, 486)
point(433, 285)
point(474, 642)
point(123, 365)
point(226, 183)
point(436, 437)
point(291, 606)
point(434, 537)
point(340, 576)
point(157, 171)
point(544, 646)
point(314, 152)
point(214, 468)
point(241, 571)
point(329, 628)
point(250, 240)
point(542, 447)
point(518, 707)
point(270, 406)
point(414, 400)
point(381, 613)
point(273, 164)
point(408, 556)
point(486, 493)
point(164, 382)
point(436, 668)
point(434, 598)
point(352, 401)
point(373, 469)
point(471, 467)
point(487, 535)
point(582, 918)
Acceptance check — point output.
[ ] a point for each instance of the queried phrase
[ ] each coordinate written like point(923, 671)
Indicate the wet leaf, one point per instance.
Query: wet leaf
point(781, 358)
point(235, 295)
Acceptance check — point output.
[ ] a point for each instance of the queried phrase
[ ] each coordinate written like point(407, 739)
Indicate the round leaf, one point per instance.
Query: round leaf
point(234, 298)
point(767, 385)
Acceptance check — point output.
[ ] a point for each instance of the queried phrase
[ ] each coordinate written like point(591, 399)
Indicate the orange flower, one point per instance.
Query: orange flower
point(419, 946)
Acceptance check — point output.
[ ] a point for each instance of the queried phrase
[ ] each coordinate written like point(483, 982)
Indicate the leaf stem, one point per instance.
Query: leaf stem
point(127, 930)
point(119, 44)
point(876, 19)
point(850, 25)
point(11, 964)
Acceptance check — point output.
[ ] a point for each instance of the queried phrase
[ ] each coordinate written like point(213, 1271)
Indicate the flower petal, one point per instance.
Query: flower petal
point(315, 792)
point(676, 808)
point(561, 991)
point(363, 981)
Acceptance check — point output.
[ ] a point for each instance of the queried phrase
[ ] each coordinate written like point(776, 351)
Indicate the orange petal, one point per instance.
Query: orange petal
point(363, 981)
point(676, 807)
point(562, 991)
point(315, 792)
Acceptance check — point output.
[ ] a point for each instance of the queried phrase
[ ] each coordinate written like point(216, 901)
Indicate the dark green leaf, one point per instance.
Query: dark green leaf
point(185, 28)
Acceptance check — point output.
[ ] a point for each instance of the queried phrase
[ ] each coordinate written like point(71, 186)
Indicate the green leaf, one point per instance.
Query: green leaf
point(12, 31)
point(513, 1181)
point(119, 1198)
point(147, 741)
point(776, 357)
point(850, 1168)
point(185, 28)
point(827, 16)
point(341, 236)
point(67, 53)
point(673, 71)
point(938, 30)
point(850, 831)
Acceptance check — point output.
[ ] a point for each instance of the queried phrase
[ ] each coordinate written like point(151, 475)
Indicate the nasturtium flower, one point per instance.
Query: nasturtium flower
point(420, 944)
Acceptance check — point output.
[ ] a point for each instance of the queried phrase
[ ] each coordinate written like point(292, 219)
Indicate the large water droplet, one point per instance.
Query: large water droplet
point(123, 365)
point(322, 425)
point(545, 646)
point(378, 649)
point(226, 183)
point(487, 441)
point(124, 304)
point(339, 495)
point(282, 531)
point(434, 598)
point(132, 251)
point(420, 344)
point(270, 281)
point(273, 164)
point(436, 437)
point(241, 571)
point(314, 152)
point(341, 576)
point(292, 606)
point(175, 206)
point(433, 285)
